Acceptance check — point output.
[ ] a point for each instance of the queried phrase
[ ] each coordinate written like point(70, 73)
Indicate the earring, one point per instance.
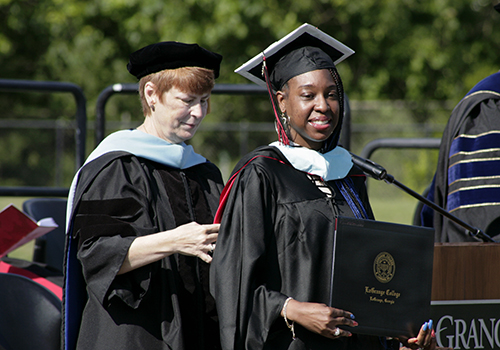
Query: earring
point(152, 106)
point(285, 120)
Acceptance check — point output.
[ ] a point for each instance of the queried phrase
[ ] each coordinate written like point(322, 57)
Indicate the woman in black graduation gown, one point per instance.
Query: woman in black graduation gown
point(272, 263)
point(141, 211)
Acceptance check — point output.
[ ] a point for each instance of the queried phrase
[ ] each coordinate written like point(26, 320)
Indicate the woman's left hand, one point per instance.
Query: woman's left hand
point(425, 339)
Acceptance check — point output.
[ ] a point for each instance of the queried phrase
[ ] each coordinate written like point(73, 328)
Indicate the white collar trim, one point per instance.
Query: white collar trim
point(332, 165)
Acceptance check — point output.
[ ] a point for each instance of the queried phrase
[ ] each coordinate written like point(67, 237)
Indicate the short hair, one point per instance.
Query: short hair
point(195, 80)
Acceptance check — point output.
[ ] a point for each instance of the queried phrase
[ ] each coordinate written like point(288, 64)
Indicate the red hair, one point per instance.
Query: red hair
point(194, 80)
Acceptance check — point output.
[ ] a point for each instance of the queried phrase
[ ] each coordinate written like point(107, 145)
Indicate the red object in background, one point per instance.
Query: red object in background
point(8, 268)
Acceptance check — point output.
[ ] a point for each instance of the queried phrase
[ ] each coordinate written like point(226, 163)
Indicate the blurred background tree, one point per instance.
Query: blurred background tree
point(405, 49)
point(416, 53)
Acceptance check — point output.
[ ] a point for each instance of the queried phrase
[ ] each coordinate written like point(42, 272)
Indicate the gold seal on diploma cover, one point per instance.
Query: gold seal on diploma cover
point(384, 267)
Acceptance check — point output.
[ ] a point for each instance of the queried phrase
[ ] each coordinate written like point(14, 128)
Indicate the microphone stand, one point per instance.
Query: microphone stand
point(378, 172)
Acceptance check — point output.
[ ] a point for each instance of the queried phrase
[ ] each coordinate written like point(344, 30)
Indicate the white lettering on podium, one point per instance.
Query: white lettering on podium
point(460, 335)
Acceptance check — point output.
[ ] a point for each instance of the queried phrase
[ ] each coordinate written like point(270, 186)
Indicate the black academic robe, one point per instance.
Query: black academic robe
point(275, 241)
point(466, 182)
point(166, 304)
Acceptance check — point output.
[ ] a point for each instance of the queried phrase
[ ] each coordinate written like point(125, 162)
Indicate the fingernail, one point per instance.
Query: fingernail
point(354, 324)
point(430, 324)
point(425, 326)
point(352, 317)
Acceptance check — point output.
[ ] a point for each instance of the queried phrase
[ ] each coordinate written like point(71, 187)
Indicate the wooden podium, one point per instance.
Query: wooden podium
point(466, 271)
point(465, 297)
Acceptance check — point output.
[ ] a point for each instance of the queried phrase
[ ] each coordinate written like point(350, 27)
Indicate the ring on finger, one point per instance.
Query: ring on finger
point(337, 332)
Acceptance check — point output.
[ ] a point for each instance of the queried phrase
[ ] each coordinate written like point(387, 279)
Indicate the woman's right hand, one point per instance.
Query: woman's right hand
point(320, 318)
point(189, 239)
point(194, 239)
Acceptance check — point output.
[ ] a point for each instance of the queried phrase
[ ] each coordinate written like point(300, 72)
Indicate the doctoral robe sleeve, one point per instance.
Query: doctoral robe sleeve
point(246, 304)
point(112, 212)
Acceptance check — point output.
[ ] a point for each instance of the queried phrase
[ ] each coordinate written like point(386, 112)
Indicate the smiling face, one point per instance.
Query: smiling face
point(176, 116)
point(311, 102)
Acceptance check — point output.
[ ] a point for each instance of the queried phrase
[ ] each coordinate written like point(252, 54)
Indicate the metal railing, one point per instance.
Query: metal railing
point(372, 146)
point(80, 130)
point(131, 88)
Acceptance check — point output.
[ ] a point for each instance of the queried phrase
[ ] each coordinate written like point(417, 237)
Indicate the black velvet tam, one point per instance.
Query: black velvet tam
point(171, 55)
point(326, 48)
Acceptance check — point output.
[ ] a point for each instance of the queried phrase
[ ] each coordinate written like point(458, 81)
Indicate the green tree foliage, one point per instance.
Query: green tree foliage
point(405, 50)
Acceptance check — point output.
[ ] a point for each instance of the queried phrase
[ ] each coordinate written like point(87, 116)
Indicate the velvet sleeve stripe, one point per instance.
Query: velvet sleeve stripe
point(474, 197)
point(473, 172)
point(118, 207)
point(98, 218)
point(474, 169)
point(104, 230)
point(466, 144)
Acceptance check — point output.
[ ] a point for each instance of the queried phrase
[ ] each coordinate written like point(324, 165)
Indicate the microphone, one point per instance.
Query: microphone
point(369, 167)
point(378, 172)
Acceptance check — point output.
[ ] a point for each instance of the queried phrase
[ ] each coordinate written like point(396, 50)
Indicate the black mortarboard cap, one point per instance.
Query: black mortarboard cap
point(171, 55)
point(308, 39)
point(299, 61)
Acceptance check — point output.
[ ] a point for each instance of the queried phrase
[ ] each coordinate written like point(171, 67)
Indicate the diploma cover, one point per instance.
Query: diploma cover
point(382, 273)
